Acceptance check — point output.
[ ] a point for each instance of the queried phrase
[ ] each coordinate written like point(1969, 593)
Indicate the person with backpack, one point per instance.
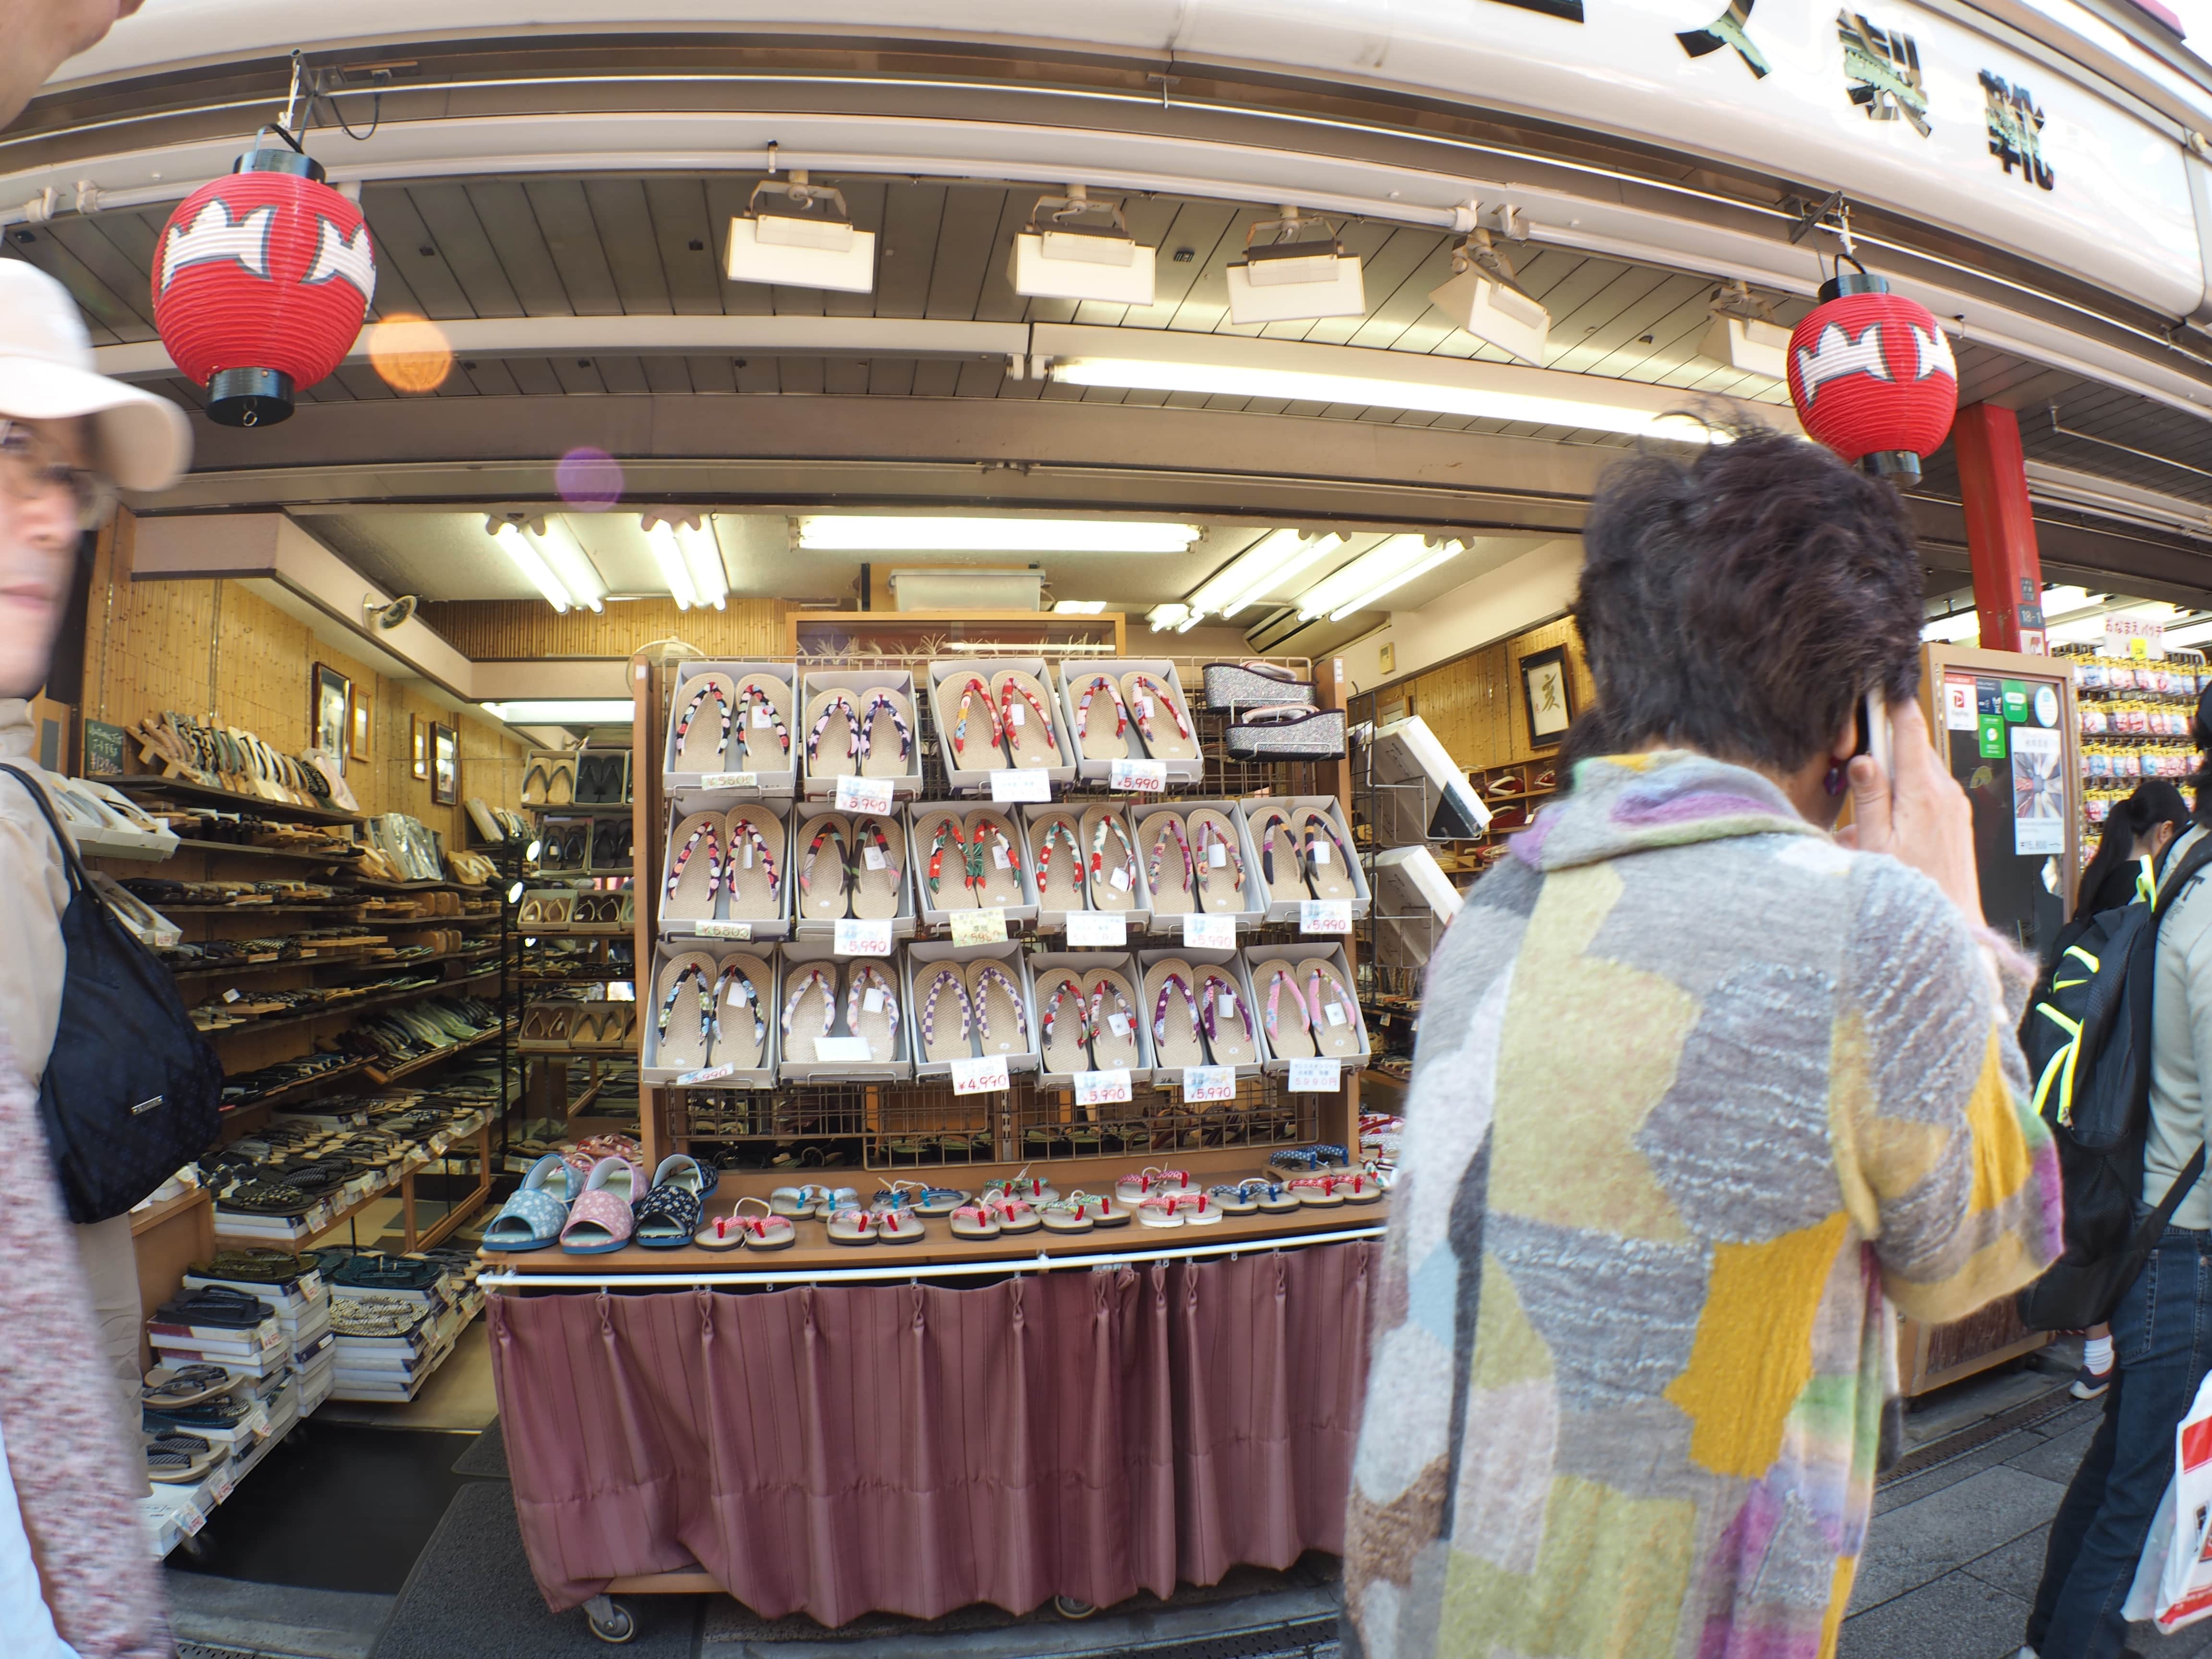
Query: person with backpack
point(2161, 1322)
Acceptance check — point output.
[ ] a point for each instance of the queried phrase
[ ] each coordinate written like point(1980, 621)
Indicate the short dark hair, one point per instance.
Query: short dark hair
point(1742, 601)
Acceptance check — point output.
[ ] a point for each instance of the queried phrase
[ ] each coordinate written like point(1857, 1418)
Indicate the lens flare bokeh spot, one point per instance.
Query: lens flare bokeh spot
point(589, 480)
point(410, 353)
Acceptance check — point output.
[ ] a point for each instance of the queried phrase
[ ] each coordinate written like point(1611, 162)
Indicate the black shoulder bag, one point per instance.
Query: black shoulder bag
point(132, 1092)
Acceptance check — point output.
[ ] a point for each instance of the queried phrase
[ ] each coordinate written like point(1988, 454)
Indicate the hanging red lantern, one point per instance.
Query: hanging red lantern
point(1873, 377)
point(261, 282)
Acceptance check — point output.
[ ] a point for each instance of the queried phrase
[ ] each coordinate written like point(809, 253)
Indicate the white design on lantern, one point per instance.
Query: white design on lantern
point(212, 238)
point(346, 257)
point(1834, 354)
point(1934, 349)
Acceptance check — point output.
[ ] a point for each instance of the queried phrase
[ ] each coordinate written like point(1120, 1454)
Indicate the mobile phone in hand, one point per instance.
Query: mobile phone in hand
point(1873, 731)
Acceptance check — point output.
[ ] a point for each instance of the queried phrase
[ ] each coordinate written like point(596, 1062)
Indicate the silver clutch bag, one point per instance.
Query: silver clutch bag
point(1285, 734)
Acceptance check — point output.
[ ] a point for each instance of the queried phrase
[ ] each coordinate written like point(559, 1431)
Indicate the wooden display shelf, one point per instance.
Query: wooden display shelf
point(321, 907)
point(291, 1090)
point(424, 1062)
point(347, 1009)
point(234, 849)
point(155, 1215)
point(231, 969)
point(184, 789)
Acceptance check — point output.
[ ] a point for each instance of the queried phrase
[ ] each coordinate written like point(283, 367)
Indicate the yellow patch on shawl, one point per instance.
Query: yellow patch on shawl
point(1562, 1145)
point(1839, 1599)
point(2002, 1159)
point(1752, 1355)
point(1507, 1349)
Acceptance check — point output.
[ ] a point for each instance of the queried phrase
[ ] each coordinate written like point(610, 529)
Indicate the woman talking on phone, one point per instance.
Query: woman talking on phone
point(1703, 1088)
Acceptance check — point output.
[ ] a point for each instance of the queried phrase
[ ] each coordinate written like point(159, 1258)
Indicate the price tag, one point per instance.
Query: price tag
point(1101, 1088)
point(1217, 856)
point(979, 927)
point(257, 1420)
point(192, 1520)
point(219, 1487)
point(871, 937)
point(1208, 1083)
point(977, 1077)
point(1224, 1006)
point(1119, 878)
point(872, 1001)
point(1026, 783)
point(1147, 777)
point(1314, 1077)
point(1120, 1024)
point(763, 717)
point(843, 1050)
point(712, 1074)
point(1094, 928)
point(1335, 1012)
point(1016, 715)
point(1322, 851)
point(746, 856)
point(856, 794)
point(730, 780)
point(874, 859)
point(1324, 915)
point(310, 1283)
point(230, 996)
point(1001, 857)
point(1203, 933)
point(724, 930)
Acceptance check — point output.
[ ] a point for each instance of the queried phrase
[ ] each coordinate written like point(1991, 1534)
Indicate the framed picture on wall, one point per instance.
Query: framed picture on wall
point(1548, 699)
point(418, 746)
point(445, 763)
point(357, 743)
point(330, 712)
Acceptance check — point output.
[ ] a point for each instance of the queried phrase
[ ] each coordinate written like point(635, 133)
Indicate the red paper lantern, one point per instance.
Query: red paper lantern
point(261, 282)
point(1873, 376)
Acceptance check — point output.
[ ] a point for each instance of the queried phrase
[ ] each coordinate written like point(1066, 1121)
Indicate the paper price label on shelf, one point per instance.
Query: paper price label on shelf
point(730, 780)
point(1324, 915)
point(219, 1487)
point(843, 1050)
point(257, 1420)
point(871, 937)
point(1102, 1088)
point(230, 996)
point(726, 930)
point(978, 1077)
point(979, 927)
point(712, 1074)
point(874, 859)
point(1314, 1077)
point(309, 1284)
point(1208, 1083)
point(1023, 783)
point(1147, 777)
point(1203, 933)
point(1091, 929)
point(864, 794)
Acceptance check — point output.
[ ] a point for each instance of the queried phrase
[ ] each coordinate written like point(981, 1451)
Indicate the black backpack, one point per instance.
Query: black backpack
point(2087, 1035)
point(132, 1092)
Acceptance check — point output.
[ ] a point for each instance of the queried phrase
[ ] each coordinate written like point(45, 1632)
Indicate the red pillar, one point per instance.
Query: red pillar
point(2000, 528)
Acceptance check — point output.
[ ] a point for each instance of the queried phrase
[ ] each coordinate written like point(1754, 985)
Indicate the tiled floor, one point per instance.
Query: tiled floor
point(1954, 1552)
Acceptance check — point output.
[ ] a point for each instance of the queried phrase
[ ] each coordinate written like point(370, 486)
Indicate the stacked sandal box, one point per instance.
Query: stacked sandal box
point(1303, 850)
point(971, 1003)
point(1130, 709)
point(843, 1018)
point(1090, 1014)
point(1198, 858)
point(1086, 856)
point(727, 720)
point(849, 867)
point(1199, 1008)
point(728, 866)
point(998, 715)
point(709, 1006)
point(859, 723)
point(1306, 1004)
point(301, 1306)
point(965, 857)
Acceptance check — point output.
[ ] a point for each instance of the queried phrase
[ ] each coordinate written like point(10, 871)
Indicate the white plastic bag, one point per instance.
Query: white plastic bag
point(2173, 1580)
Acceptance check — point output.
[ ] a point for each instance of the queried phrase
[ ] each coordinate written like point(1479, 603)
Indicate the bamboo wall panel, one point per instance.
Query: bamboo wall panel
point(522, 630)
point(1474, 704)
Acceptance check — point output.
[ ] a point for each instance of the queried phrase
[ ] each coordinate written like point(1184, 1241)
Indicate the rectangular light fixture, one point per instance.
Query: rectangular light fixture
point(1273, 562)
point(690, 560)
point(668, 554)
point(1391, 583)
point(1291, 281)
point(557, 544)
point(801, 235)
point(557, 711)
point(1163, 618)
point(862, 533)
point(1381, 563)
point(1747, 345)
point(1477, 402)
point(1496, 312)
point(1078, 607)
point(1059, 258)
point(516, 544)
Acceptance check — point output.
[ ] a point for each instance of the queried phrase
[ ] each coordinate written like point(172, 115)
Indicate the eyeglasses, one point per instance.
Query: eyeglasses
point(31, 466)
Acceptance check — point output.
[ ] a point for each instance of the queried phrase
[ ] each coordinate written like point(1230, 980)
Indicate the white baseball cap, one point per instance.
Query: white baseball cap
point(46, 373)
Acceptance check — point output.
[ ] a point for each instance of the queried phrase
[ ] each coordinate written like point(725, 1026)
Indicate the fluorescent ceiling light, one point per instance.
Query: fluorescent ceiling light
point(2064, 487)
point(1290, 281)
point(1163, 617)
point(1958, 627)
point(1380, 563)
point(690, 560)
point(557, 711)
point(518, 547)
point(801, 235)
point(1000, 535)
point(1747, 345)
point(1078, 607)
point(1476, 402)
point(1396, 580)
point(564, 555)
point(2194, 633)
point(668, 554)
point(1273, 562)
point(1060, 258)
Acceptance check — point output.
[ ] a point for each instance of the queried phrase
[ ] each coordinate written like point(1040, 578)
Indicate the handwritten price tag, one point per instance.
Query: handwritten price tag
point(1324, 915)
point(1024, 783)
point(712, 1074)
point(1315, 1077)
point(726, 930)
point(1144, 777)
point(1204, 932)
point(864, 939)
point(1208, 1083)
point(979, 927)
point(978, 1077)
point(864, 794)
point(1101, 1088)
point(1092, 929)
point(730, 780)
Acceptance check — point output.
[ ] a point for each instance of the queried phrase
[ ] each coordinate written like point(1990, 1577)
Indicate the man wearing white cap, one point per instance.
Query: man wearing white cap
point(75, 1578)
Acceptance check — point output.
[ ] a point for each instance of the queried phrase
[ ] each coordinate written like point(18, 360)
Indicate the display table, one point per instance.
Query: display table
point(1065, 1427)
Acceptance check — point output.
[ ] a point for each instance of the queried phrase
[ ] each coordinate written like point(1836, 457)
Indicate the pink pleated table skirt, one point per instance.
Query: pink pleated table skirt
point(839, 1450)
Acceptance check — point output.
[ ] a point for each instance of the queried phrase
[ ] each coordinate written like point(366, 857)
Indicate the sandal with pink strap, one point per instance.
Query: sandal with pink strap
point(975, 1221)
point(600, 1221)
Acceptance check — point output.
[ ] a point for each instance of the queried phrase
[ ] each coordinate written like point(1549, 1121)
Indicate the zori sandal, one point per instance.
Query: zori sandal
point(1116, 880)
point(994, 861)
point(1289, 1035)
point(167, 1388)
point(537, 1211)
point(825, 870)
point(1234, 1201)
point(1222, 1014)
point(1062, 1022)
point(814, 981)
point(967, 712)
point(879, 759)
point(764, 723)
point(1066, 1215)
point(853, 1227)
point(738, 1018)
point(1103, 1211)
point(878, 884)
point(1282, 862)
point(1160, 1210)
point(1325, 857)
point(871, 1009)
point(1334, 1013)
point(683, 1019)
point(975, 1221)
point(1214, 843)
point(899, 1227)
point(833, 735)
point(1196, 1209)
point(1060, 863)
point(1025, 720)
point(1014, 1214)
point(1178, 1035)
point(1322, 1190)
point(1093, 741)
point(687, 892)
point(752, 865)
point(1160, 718)
point(938, 1040)
point(942, 846)
point(1172, 868)
point(1114, 1041)
point(704, 716)
point(796, 1201)
point(1002, 1020)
